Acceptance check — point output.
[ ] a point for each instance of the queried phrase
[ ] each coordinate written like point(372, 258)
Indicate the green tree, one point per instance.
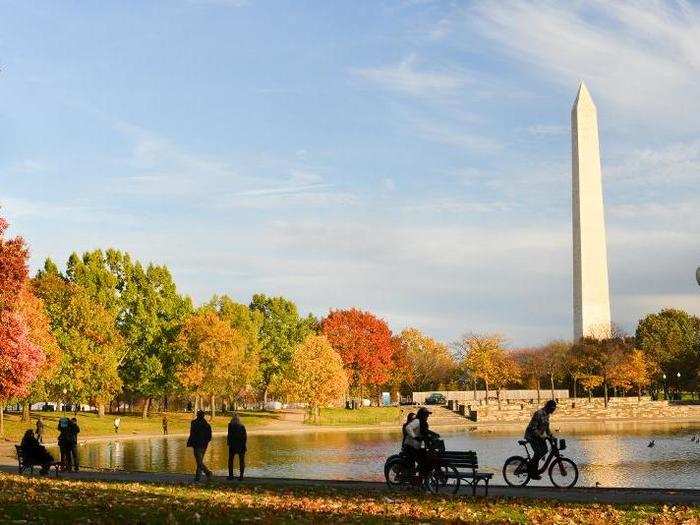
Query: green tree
point(281, 330)
point(671, 338)
point(148, 312)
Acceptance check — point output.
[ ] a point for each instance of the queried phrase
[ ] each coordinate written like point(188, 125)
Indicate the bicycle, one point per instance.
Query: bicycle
point(563, 472)
point(401, 471)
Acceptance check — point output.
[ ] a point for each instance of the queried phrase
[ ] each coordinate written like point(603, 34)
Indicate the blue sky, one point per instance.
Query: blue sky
point(410, 158)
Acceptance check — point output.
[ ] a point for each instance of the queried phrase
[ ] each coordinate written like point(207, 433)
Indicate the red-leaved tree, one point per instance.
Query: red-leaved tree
point(20, 359)
point(364, 344)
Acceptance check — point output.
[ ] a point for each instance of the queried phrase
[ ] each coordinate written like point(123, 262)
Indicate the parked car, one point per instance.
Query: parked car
point(435, 399)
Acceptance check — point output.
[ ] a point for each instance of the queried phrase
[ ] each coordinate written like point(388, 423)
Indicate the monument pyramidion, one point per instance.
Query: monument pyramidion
point(591, 290)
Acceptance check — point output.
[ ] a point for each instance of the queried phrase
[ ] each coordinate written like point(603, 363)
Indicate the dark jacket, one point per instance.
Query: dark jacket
point(200, 433)
point(35, 453)
point(73, 431)
point(237, 437)
point(63, 432)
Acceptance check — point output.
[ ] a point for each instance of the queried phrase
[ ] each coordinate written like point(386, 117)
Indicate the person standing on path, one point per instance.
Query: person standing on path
point(64, 443)
point(165, 424)
point(237, 440)
point(200, 436)
point(117, 422)
point(39, 430)
point(73, 431)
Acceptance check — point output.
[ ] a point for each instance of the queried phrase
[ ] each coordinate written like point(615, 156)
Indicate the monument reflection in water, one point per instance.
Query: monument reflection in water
point(608, 454)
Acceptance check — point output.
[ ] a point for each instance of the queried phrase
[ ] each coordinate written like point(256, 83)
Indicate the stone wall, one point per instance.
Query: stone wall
point(581, 409)
point(471, 397)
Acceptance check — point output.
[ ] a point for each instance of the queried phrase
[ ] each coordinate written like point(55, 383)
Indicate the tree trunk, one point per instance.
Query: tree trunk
point(639, 394)
point(486, 384)
point(474, 389)
point(2, 419)
point(146, 406)
point(538, 390)
point(574, 388)
point(100, 410)
point(605, 393)
point(196, 404)
point(265, 397)
point(551, 383)
point(498, 397)
point(213, 407)
point(25, 410)
point(590, 396)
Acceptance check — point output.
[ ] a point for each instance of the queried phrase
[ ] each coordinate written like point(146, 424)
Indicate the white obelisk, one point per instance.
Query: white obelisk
point(591, 293)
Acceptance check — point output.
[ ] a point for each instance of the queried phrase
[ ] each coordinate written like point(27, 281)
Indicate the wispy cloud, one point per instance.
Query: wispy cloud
point(407, 77)
point(449, 134)
point(547, 129)
point(641, 57)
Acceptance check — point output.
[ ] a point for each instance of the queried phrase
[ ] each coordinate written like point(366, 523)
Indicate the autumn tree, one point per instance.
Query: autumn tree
point(533, 365)
point(555, 360)
point(431, 363)
point(486, 359)
point(314, 375)
point(281, 330)
point(91, 346)
point(21, 359)
point(364, 343)
point(214, 361)
point(589, 382)
point(32, 310)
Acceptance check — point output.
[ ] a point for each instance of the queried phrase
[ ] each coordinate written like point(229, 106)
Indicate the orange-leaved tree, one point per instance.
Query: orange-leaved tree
point(364, 343)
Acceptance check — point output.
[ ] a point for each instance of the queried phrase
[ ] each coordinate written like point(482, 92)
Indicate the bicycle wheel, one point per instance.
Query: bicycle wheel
point(563, 472)
point(444, 479)
point(515, 471)
point(397, 472)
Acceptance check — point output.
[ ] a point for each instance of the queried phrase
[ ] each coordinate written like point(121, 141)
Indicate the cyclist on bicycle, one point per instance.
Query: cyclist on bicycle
point(536, 433)
point(418, 433)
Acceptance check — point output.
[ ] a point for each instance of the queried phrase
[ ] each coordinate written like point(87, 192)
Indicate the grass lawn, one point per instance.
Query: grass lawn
point(41, 500)
point(93, 426)
point(362, 416)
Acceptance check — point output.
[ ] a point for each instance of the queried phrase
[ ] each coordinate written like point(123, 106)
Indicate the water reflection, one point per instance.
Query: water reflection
point(607, 454)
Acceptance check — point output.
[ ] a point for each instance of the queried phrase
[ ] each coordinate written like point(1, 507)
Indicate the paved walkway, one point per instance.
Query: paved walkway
point(582, 494)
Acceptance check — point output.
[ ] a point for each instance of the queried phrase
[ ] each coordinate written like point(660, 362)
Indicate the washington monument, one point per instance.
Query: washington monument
point(591, 293)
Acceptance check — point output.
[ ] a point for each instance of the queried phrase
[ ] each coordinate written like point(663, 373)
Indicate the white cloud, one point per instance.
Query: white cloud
point(547, 129)
point(643, 58)
point(405, 77)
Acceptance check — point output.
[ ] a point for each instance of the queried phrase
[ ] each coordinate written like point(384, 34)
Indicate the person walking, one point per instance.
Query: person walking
point(73, 431)
point(64, 443)
point(237, 445)
point(536, 433)
point(117, 422)
point(165, 424)
point(200, 436)
point(39, 430)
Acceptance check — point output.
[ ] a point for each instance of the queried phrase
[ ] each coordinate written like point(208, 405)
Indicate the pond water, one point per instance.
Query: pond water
point(608, 454)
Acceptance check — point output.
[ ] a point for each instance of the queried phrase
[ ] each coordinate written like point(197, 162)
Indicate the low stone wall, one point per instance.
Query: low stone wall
point(618, 408)
point(474, 397)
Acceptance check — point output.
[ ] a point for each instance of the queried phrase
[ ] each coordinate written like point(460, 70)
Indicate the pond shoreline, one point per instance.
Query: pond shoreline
point(286, 427)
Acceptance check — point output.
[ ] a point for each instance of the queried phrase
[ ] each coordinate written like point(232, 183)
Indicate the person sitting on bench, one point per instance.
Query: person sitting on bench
point(34, 453)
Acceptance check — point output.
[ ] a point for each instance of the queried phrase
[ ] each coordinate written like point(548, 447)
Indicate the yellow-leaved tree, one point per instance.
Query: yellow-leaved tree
point(314, 375)
point(484, 357)
point(215, 358)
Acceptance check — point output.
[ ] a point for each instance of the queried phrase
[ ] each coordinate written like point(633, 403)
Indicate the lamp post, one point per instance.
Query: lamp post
point(678, 385)
point(65, 401)
point(665, 392)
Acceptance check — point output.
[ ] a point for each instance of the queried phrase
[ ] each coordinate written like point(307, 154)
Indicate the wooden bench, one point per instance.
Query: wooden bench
point(22, 465)
point(467, 467)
